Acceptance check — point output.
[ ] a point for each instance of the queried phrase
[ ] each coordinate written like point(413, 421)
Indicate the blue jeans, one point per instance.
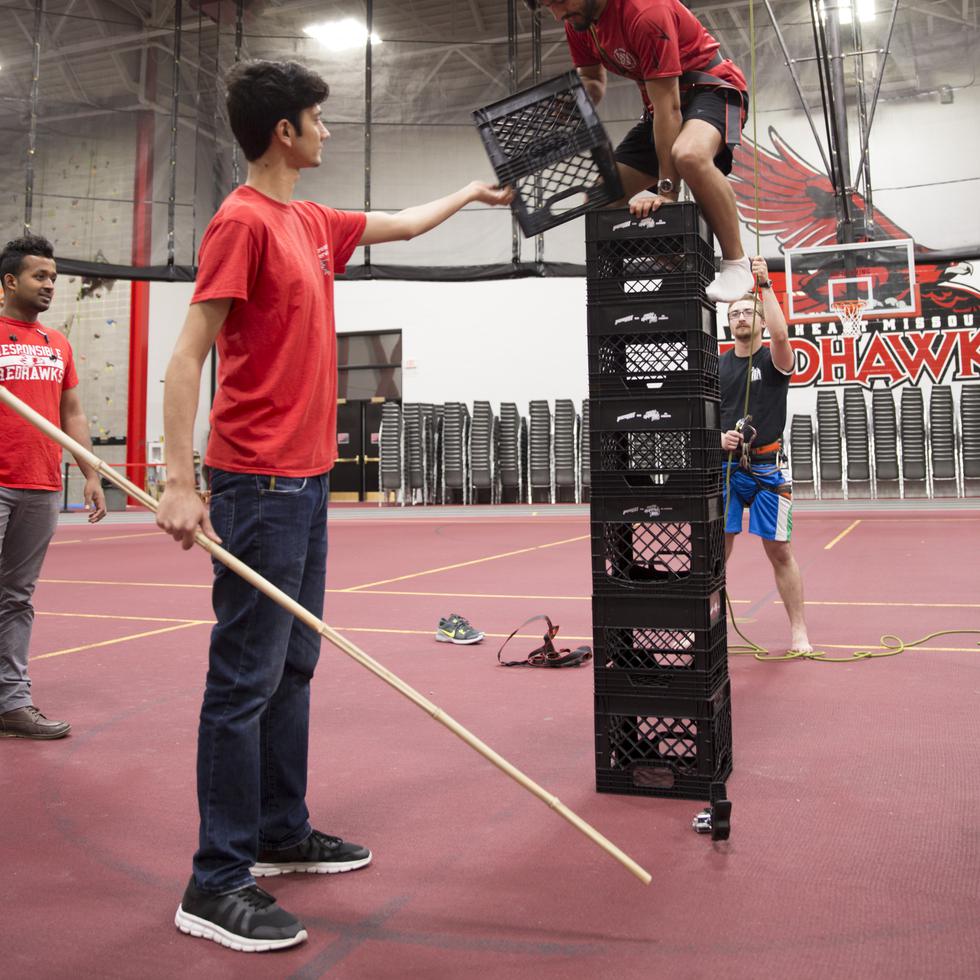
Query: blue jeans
point(254, 730)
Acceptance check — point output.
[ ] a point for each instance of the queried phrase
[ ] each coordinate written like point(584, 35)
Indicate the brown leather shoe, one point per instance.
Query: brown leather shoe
point(28, 722)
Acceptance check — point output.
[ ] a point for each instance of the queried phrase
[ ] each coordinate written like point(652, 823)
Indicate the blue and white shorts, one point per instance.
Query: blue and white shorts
point(769, 498)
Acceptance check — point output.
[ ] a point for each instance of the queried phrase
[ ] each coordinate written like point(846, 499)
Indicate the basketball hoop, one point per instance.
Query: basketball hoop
point(851, 314)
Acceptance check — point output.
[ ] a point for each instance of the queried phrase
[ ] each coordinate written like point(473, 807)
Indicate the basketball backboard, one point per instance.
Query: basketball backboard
point(880, 273)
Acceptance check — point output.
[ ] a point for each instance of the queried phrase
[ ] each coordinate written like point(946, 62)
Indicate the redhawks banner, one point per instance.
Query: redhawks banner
point(795, 206)
point(937, 347)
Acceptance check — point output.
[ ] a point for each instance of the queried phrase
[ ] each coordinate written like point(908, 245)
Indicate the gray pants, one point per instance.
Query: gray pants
point(28, 519)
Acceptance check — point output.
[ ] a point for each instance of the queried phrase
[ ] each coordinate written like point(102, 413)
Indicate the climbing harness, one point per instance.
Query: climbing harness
point(546, 655)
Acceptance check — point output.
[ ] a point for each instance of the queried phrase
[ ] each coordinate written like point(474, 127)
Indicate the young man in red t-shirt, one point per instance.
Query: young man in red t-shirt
point(695, 103)
point(37, 366)
point(264, 296)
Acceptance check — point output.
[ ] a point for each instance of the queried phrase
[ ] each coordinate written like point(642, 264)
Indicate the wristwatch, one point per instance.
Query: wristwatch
point(665, 186)
point(766, 285)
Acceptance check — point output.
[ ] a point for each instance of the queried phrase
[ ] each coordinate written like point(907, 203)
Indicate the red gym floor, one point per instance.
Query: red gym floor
point(854, 849)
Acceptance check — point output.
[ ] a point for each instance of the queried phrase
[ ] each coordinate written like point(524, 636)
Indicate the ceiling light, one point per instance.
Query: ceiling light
point(865, 10)
point(341, 35)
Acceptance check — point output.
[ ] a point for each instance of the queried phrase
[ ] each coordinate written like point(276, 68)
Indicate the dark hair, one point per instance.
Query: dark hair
point(13, 254)
point(260, 93)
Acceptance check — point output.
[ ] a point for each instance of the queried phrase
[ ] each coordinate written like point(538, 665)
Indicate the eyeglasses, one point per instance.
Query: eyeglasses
point(742, 314)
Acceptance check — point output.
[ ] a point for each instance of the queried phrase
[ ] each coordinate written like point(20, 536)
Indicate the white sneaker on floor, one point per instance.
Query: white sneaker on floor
point(732, 282)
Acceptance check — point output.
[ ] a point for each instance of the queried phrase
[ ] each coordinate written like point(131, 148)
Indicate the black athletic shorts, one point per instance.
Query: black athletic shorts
point(637, 149)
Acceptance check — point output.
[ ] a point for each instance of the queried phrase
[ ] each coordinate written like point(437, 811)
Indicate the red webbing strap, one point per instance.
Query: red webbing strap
point(546, 655)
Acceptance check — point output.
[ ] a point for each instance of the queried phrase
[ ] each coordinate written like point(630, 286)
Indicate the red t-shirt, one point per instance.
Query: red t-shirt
point(646, 39)
point(37, 371)
point(275, 411)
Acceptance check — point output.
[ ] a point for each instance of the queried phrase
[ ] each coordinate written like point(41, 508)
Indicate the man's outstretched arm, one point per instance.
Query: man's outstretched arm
point(415, 221)
point(780, 349)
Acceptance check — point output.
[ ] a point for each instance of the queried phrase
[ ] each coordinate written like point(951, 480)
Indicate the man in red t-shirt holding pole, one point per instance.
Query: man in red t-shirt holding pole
point(37, 366)
point(264, 296)
point(695, 104)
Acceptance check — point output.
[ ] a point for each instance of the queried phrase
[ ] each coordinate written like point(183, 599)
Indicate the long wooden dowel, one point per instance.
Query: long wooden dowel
point(341, 642)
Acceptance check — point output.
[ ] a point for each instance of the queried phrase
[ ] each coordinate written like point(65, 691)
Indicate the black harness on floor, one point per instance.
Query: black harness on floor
point(546, 655)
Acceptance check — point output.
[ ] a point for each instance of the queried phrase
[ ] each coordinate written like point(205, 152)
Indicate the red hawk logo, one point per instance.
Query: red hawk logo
point(796, 205)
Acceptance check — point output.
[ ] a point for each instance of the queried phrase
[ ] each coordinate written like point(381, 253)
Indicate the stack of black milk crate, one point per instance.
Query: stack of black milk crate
point(662, 693)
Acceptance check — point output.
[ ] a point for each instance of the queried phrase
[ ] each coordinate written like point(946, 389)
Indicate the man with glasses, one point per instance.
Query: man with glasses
point(754, 439)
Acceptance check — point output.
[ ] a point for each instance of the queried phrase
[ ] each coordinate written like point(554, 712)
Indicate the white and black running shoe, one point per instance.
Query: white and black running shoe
point(319, 854)
point(248, 919)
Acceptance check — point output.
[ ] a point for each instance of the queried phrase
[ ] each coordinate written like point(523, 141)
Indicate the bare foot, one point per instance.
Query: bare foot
point(800, 644)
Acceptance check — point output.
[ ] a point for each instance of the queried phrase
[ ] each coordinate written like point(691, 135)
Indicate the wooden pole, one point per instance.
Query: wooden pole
point(341, 642)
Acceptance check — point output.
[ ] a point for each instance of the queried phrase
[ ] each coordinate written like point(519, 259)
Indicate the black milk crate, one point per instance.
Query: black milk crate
point(657, 545)
point(617, 224)
point(676, 363)
point(672, 747)
point(549, 144)
point(672, 633)
point(638, 267)
point(649, 412)
point(651, 316)
point(636, 652)
point(612, 677)
point(673, 462)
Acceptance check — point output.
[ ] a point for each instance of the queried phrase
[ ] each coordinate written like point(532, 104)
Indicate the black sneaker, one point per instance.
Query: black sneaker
point(248, 919)
point(319, 854)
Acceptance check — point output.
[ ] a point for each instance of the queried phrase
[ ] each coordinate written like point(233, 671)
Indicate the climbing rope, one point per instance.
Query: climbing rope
point(890, 646)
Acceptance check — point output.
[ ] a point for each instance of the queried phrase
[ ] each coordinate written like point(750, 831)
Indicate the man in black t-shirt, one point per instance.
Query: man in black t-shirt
point(754, 479)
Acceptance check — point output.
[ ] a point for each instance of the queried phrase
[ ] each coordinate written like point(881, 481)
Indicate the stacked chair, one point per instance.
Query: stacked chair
point(913, 432)
point(566, 458)
point(970, 436)
point(884, 426)
point(455, 448)
point(856, 439)
point(541, 481)
point(483, 452)
point(662, 692)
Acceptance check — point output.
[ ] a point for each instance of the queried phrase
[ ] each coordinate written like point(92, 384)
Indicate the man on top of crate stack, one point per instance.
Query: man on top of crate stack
point(695, 104)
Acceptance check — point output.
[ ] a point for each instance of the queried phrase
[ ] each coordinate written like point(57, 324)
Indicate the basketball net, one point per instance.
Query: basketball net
point(851, 314)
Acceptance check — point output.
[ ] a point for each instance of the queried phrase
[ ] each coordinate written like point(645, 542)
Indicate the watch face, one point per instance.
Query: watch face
point(665, 186)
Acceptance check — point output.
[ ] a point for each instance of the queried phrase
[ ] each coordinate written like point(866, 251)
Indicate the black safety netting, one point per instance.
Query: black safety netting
point(132, 153)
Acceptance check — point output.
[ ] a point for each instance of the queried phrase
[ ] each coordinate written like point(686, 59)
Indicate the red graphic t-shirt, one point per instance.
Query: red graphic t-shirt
point(646, 39)
point(36, 365)
point(275, 411)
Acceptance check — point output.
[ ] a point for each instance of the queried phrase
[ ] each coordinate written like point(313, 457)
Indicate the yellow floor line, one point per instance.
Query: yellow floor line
point(144, 585)
point(846, 531)
point(464, 564)
point(139, 619)
point(483, 595)
point(108, 537)
point(917, 605)
point(121, 639)
point(500, 636)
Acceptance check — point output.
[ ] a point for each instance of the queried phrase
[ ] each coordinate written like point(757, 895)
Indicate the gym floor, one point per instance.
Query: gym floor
point(854, 841)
